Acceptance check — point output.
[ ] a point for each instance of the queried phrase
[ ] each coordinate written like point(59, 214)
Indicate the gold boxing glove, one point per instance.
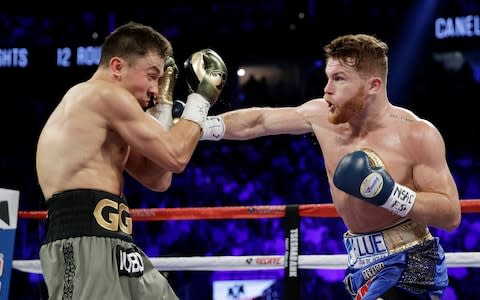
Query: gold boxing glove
point(206, 74)
point(163, 103)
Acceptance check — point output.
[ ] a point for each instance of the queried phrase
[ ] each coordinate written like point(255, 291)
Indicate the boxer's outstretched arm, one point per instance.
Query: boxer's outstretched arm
point(253, 122)
point(249, 123)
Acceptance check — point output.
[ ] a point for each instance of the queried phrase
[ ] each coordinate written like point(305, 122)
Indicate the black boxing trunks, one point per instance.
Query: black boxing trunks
point(89, 252)
point(86, 212)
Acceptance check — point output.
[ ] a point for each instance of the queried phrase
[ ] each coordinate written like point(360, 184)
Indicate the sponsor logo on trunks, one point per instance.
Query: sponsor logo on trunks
point(129, 262)
point(349, 284)
point(363, 290)
point(113, 216)
point(365, 249)
point(372, 271)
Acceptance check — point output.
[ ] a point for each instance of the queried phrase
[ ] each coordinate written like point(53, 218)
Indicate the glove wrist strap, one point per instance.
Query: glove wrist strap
point(401, 200)
point(213, 129)
point(196, 109)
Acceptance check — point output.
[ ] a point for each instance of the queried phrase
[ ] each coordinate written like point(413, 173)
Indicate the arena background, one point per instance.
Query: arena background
point(434, 71)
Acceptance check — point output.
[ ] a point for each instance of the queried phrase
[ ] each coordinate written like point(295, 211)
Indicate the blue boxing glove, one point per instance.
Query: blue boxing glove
point(177, 110)
point(362, 174)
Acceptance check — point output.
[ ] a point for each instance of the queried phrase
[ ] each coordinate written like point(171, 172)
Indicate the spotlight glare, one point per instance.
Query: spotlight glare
point(241, 72)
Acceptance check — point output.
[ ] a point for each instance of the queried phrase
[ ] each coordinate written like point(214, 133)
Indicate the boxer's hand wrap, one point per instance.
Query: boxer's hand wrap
point(162, 109)
point(162, 112)
point(196, 109)
point(362, 174)
point(213, 128)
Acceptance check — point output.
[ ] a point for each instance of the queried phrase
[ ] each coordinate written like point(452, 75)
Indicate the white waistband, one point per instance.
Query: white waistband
point(363, 249)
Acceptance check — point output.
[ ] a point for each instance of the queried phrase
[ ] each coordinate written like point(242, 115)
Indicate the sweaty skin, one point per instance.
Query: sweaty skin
point(99, 130)
point(354, 114)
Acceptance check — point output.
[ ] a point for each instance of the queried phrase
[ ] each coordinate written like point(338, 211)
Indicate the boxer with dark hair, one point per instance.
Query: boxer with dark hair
point(98, 131)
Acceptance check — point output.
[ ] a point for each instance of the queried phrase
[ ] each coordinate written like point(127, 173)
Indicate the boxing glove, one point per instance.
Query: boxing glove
point(166, 83)
point(206, 74)
point(362, 174)
point(162, 104)
point(177, 110)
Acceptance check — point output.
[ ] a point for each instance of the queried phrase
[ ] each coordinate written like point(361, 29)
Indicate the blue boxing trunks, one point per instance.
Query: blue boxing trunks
point(405, 257)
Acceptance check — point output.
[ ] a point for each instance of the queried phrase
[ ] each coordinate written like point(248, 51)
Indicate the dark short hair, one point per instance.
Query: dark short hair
point(365, 53)
point(133, 40)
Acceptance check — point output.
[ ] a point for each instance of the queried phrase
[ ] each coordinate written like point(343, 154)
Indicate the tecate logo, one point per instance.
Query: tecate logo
point(268, 260)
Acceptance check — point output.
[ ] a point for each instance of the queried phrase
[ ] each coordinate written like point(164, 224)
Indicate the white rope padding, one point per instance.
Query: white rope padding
point(259, 262)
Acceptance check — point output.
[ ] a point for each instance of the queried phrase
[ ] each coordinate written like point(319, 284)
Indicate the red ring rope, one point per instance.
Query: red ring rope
point(237, 212)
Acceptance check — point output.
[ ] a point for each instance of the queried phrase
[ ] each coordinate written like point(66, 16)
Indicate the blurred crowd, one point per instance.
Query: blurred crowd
point(266, 171)
point(274, 170)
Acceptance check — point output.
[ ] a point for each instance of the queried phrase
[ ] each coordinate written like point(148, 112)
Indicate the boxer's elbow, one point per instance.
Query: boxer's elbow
point(177, 158)
point(178, 163)
point(160, 187)
point(159, 184)
point(453, 222)
point(453, 218)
